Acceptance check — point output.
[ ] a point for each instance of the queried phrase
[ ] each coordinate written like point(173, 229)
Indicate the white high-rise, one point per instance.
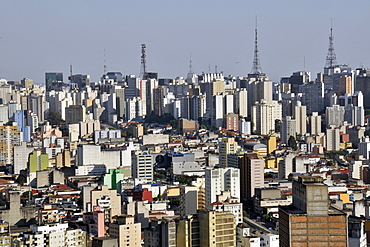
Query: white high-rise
point(264, 115)
point(222, 179)
point(300, 116)
point(315, 121)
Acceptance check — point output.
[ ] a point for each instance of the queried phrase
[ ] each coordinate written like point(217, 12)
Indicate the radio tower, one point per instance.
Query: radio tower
point(143, 73)
point(256, 61)
point(331, 58)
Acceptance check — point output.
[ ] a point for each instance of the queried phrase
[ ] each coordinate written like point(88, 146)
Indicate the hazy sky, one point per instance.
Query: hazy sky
point(46, 36)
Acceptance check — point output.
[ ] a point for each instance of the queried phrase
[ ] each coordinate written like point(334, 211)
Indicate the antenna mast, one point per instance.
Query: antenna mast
point(256, 61)
point(105, 63)
point(143, 73)
point(331, 58)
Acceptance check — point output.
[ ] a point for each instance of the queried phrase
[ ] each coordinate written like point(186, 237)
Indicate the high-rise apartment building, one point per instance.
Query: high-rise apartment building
point(264, 115)
point(217, 228)
point(288, 128)
point(345, 85)
point(108, 201)
point(142, 166)
point(315, 123)
point(335, 115)
point(126, 230)
point(226, 146)
point(10, 136)
point(310, 221)
point(332, 139)
point(222, 179)
point(300, 116)
point(251, 174)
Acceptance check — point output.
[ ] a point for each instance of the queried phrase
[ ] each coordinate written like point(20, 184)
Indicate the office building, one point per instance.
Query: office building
point(53, 79)
point(75, 114)
point(310, 221)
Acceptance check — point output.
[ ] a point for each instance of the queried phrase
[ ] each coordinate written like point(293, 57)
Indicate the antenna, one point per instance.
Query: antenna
point(209, 68)
point(143, 73)
point(105, 63)
point(256, 61)
point(190, 65)
point(216, 69)
point(70, 69)
point(331, 58)
point(304, 63)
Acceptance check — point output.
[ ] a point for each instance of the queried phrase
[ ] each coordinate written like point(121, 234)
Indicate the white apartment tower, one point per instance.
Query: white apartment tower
point(300, 115)
point(142, 166)
point(332, 139)
point(222, 179)
point(264, 115)
point(315, 121)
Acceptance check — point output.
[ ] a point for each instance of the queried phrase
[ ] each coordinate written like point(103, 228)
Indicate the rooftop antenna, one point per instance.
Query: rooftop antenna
point(143, 73)
point(105, 63)
point(216, 69)
point(331, 58)
point(304, 63)
point(209, 68)
point(190, 65)
point(256, 61)
point(70, 69)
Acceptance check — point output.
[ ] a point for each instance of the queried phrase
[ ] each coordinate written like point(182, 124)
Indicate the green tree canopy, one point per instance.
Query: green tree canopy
point(292, 143)
point(54, 118)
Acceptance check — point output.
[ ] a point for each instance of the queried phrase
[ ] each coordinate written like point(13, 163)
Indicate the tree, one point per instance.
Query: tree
point(292, 143)
point(54, 118)
point(21, 179)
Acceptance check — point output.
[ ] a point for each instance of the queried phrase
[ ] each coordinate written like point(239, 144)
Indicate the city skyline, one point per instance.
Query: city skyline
point(48, 36)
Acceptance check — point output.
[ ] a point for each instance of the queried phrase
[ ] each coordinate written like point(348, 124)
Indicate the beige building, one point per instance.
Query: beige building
point(345, 84)
point(126, 230)
point(300, 116)
point(9, 137)
point(63, 159)
point(226, 146)
point(216, 228)
point(108, 200)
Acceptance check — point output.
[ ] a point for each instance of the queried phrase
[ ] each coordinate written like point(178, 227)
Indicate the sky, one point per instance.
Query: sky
point(48, 35)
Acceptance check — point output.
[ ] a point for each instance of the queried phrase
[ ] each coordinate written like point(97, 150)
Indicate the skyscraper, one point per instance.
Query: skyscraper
point(52, 79)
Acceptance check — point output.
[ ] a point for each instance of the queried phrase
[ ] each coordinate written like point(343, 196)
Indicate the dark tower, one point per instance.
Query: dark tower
point(331, 58)
point(143, 72)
